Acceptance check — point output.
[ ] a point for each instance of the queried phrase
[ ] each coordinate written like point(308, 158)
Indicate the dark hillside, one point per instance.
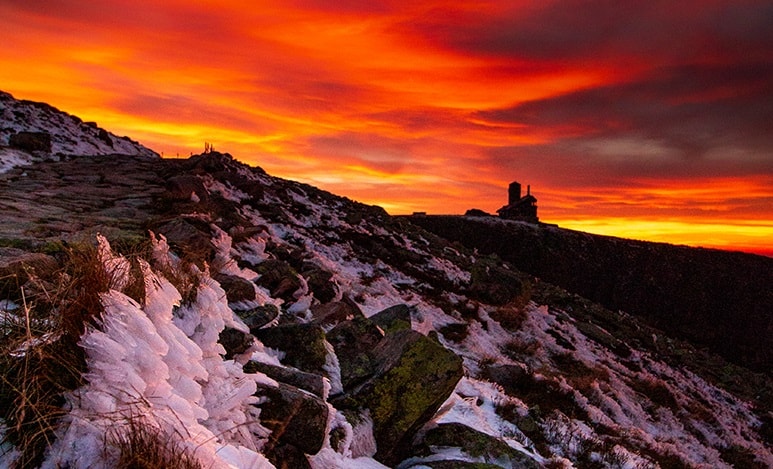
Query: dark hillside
point(718, 299)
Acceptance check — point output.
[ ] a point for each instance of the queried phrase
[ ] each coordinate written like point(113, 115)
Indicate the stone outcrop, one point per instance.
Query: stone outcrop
point(31, 141)
point(402, 378)
point(476, 444)
point(295, 417)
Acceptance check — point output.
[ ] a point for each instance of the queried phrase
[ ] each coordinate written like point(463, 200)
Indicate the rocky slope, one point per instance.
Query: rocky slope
point(33, 131)
point(250, 321)
point(717, 299)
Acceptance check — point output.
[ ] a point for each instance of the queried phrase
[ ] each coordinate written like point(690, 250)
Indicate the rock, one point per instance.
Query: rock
point(394, 318)
point(18, 267)
point(279, 278)
point(413, 377)
point(235, 342)
point(476, 444)
point(285, 456)
point(455, 332)
point(210, 162)
point(294, 417)
point(31, 141)
point(242, 233)
point(476, 212)
point(310, 382)
point(105, 137)
point(182, 187)
point(236, 288)
point(319, 282)
point(258, 317)
point(354, 342)
point(303, 344)
point(186, 236)
point(497, 285)
point(455, 464)
point(330, 314)
point(513, 378)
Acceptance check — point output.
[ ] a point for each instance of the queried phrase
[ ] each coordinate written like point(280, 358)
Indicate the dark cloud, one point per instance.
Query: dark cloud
point(694, 119)
point(602, 30)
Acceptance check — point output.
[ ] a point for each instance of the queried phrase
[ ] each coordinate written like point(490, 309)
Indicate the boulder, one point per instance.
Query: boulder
point(496, 285)
point(243, 233)
point(320, 283)
point(354, 342)
point(187, 237)
point(183, 186)
point(236, 288)
point(294, 417)
point(331, 314)
point(105, 137)
point(279, 278)
point(455, 332)
point(259, 316)
point(394, 318)
point(284, 456)
point(310, 382)
point(476, 444)
point(303, 345)
point(235, 342)
point(31, 141)
point(18, 267)
point(210, 162)
point(413, 376)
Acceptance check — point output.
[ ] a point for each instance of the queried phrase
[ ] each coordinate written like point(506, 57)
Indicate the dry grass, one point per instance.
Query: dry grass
point(40, 360)
point(144, 446)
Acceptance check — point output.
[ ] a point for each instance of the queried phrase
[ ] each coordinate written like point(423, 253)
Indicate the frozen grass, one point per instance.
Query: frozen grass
point(144, 446)
point(39, 356)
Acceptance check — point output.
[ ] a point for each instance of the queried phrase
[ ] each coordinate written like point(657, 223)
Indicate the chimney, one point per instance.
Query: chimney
point(514, 193)
point(528, 189)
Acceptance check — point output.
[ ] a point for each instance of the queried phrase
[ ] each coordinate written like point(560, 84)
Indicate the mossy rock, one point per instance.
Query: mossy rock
point(237, 289)
point(456, 464)
point(256, 318)
point(354, 342)
point(395, 318)
point(303, 345)
point(476, 444)
point(416, 375)
point(279, 277)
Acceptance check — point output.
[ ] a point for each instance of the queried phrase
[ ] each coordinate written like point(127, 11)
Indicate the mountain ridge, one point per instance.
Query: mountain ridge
point(719, 299)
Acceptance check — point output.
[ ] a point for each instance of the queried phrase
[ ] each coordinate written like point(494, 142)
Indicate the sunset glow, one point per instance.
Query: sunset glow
point(650, 120)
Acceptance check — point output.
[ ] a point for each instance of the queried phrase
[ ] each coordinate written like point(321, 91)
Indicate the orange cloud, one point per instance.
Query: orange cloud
point(619, 115)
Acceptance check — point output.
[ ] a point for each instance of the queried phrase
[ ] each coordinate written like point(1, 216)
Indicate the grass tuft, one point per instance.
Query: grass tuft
point(40, 359)
point(144, 446)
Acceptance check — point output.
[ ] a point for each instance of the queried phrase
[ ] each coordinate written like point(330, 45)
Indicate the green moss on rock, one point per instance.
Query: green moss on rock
point(418, 377)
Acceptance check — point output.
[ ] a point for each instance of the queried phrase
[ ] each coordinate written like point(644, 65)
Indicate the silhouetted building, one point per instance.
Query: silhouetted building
point(519, 208)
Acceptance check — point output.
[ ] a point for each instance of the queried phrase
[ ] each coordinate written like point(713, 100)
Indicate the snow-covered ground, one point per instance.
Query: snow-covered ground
point(69, 134)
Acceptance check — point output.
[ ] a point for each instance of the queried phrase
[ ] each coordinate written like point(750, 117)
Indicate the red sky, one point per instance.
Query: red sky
point(651, 120)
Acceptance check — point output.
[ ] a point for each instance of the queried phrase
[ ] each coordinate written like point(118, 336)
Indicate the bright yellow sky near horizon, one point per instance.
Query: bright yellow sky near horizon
point(647, 120)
